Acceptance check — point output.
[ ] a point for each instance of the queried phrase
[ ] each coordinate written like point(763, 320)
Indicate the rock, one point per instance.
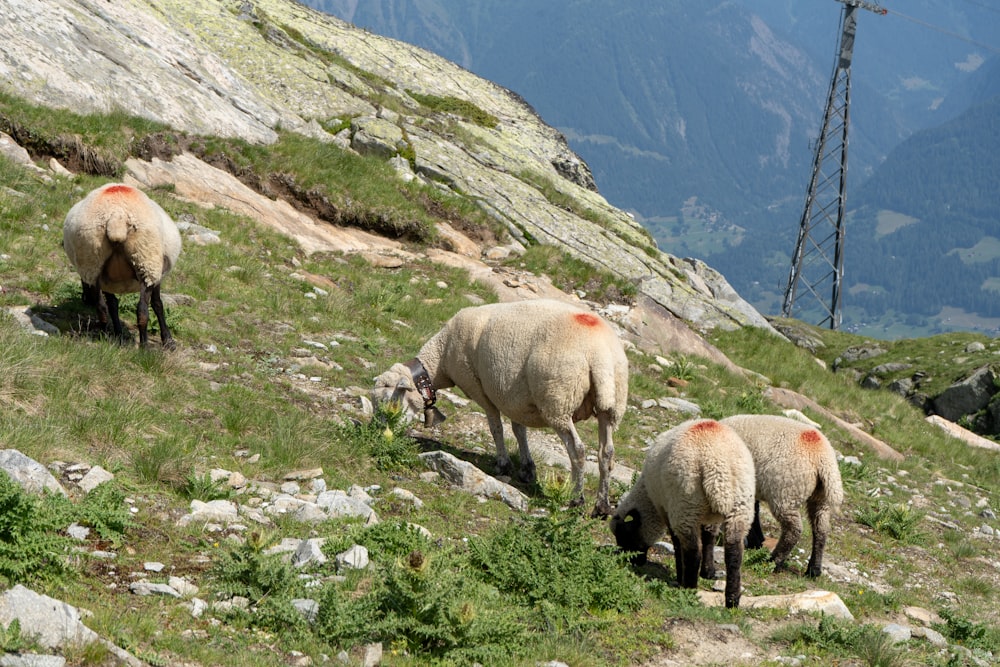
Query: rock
point(308, 608)
point(355, 558)
point(376, 136)
point(898, 633)
point(967, 396)
point(30, 474)
point(309, 551)
point(54, 624)
point(963, 434)
point(336, 504)
point(31, 660)
point(94, 478)
point(147, 588)
point(821, 601)
point(679, 405)
point(471, 479)
point(215, 511)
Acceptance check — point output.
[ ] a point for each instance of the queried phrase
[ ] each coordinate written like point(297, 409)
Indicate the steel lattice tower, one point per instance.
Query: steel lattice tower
point(818, 261)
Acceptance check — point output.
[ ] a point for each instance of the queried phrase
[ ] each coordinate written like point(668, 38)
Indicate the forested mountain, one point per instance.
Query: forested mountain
point(700, 117)
point(944, 251)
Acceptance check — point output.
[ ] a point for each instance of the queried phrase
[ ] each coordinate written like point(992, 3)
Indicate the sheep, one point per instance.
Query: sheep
point(540, 363)
point(795, 464)
point(696, 476)
point(121, 241)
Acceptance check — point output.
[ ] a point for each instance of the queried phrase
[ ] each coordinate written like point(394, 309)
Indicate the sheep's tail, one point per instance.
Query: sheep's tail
point(609, 382)
point(116, 225)
point(830, 483)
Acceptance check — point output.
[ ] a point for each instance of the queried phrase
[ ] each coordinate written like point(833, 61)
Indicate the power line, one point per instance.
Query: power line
point(946, 32)
point(983, 6)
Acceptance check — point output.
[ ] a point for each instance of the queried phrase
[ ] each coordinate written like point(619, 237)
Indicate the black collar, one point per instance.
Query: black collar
point(423, 382)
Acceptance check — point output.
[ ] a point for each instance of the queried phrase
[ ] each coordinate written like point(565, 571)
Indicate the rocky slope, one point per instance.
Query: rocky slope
point(248, 69)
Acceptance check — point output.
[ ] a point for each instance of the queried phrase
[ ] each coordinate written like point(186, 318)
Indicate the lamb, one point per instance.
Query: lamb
point(121, 241)
point(696, 476)
point(795, 464)
point(540, 363)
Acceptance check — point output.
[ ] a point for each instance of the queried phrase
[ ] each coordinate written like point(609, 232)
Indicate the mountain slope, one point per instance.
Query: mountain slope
point(701, 117)
point(275, 64)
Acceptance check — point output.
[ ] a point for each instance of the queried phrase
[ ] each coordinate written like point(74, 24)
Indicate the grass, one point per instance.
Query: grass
point(490, 585)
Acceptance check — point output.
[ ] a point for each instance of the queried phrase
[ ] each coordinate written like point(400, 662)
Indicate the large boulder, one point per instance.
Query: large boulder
point(967, 396)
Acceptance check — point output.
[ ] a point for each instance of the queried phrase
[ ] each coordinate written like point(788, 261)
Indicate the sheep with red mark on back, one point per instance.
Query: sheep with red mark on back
point(795, 465)
point(697, 477)
point(121, 241)
point(540, 363)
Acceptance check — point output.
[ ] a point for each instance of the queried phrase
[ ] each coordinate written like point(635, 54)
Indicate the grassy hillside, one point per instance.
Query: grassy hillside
point(250, 391)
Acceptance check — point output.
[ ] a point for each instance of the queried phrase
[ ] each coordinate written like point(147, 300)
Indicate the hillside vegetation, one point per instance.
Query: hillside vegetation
point(276, 350)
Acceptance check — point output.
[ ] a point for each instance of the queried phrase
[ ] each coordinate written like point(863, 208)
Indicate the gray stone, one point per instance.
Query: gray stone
point(967, 396)
point(308, 608)
point(31, 660)
point(52, 623)
point(94, 478)
point(309, 551)
point(148, 588)
point(336, 504)
point(473, 480)
point(376, 136)
point(355, 558)
point(30, 474)
point(898, 633)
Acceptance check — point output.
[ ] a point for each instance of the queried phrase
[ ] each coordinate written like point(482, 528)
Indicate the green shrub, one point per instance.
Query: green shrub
point(383, 438)
point(553, 564)
point(425, 606)
point(30, 547)
point(247, 571)
point(897, 521)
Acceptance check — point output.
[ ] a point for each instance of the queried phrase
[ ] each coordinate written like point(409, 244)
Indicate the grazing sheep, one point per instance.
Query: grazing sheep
point(121, 241)
point(540, 363)
point(795, 464)
point(696, 476)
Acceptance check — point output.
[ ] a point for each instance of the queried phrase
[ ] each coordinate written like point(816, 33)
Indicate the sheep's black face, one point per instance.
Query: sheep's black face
point(628, 534)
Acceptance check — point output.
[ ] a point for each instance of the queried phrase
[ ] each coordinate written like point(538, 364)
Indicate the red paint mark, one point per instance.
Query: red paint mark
point(810, 439)
point(119, 190)
point(587, 320)
point(706, 426)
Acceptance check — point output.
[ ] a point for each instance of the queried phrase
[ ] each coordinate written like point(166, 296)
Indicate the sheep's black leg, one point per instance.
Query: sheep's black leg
point(755, 538)
point(688, 551)
point(91, 294)
point(166, 339)
point(708, 535)
point(142, 315)
point(107, 313)
point(734, 561)
point(819, 519)
point(528, 474)
point(678, 558)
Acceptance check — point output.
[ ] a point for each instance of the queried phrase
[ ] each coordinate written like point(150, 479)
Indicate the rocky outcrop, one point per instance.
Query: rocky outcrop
point(247, 68)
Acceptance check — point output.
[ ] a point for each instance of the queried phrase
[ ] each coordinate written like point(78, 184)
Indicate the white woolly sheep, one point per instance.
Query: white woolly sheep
point(696, 476)
point(795, 464)
point(540, 363)
point(121, 241)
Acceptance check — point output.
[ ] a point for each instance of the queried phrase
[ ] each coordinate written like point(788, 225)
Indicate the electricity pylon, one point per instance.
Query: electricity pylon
point(818, 262)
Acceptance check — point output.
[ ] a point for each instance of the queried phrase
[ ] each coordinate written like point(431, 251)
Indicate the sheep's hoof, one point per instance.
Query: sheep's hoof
point(602, 510)
point(576, 502)
point(503, 469)
point(528, 474)
point(169, 345)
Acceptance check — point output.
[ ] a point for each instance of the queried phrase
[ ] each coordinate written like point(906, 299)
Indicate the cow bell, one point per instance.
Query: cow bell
point(433, 417)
